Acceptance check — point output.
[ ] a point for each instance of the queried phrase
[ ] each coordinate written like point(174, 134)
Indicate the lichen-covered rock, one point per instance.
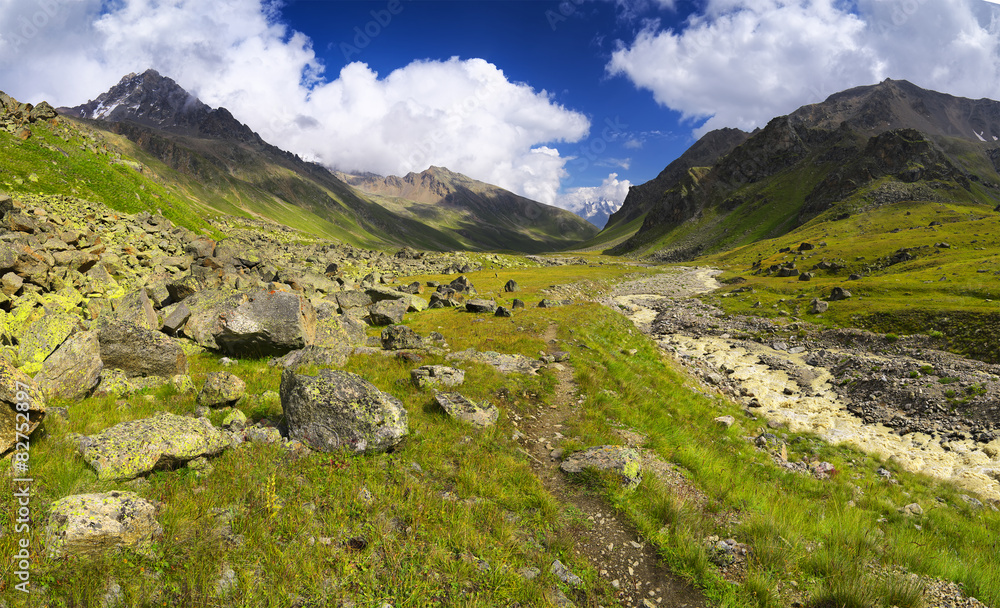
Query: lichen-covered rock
point(313, 355)
point(91, 524)
point(337, 331)
point(269, 323)
point(626, 462)
point(43, 336)
point(201, 247)
point(235, 420)
point(462, 408)
point(413, 303)
point(480, 305)
point(818, 306)
point(353, 300)
point(130, 449)
point(221, 389)
point(338, 409)
point(206, 309)
point(135, 308)
point(387, 312)
point(505, 364)
point(20, 397)
point(435, 375)
point(176, 318)
point(399, 337)
point(112, 382)
point(74, 369)
point(140, 352)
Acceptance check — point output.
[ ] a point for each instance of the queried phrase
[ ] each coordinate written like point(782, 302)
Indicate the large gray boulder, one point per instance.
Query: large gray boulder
point(387, 312)
point(626, 462)
point(204, 313)
point(313, 355)
point(140, 352)
point(92, 524)
point(413, 302)
point(74, 369)
point(462, 408)
point(353, 300)
point(46, 330)
point(130, 449)
point(481, 305)
point(136, 308)
point(18, 395)
point(269, 323)
point(337, 331)
point(338, 409)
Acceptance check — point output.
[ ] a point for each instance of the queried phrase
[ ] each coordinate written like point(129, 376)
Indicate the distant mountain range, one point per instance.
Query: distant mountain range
point(436, 209)
point(870, 145)
point(598, 212)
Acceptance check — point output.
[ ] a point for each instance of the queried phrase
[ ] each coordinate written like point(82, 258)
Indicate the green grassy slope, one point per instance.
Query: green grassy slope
point(951, 285)
point(457, 528)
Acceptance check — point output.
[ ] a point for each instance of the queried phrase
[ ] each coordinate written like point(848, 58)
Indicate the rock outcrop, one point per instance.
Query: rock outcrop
point(338, 409)
point(74, 369)
point(140, 352)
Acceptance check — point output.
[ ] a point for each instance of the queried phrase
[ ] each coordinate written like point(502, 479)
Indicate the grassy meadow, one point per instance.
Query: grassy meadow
point(454, 515)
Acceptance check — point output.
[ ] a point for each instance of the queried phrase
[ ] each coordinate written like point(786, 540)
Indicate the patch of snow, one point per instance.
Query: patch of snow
point(980, 136)
point(103, 112)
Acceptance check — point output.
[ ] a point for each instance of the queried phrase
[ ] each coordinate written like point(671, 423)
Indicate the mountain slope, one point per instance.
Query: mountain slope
point(477, 211)
point(243, 174)
point(704, 153)
point(867, 146)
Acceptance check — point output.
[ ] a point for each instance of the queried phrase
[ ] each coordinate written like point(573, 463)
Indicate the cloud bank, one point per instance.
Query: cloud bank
point(462, 114)
point(611, 189)
point(739, 63)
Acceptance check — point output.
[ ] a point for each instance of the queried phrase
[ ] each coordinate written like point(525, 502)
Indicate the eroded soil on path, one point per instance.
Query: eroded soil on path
point(623, 558)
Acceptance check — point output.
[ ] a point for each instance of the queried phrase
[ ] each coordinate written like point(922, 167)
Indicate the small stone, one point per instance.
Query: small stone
point(530, 573)
point(725, 421)
point(563, 573)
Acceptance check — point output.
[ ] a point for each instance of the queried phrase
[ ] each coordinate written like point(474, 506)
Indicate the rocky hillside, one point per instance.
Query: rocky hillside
point(824, 159)
point(704, 153)
point(476, 210)
point(217, 151)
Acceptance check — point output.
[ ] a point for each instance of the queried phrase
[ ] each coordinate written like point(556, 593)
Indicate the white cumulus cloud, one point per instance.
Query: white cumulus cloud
point(738, 63)
point(462, 114)
point(611, 189)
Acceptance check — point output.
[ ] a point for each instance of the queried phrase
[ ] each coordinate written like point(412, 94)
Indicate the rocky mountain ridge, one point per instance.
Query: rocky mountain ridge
point(158, 102)
point(819, 157)
point(598, 212)
point(215, 148)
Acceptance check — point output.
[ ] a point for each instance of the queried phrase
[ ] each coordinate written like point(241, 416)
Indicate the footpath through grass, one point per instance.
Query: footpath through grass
point(453, 516)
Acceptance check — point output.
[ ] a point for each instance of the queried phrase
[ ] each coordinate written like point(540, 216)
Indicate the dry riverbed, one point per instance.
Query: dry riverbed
point(895, 400)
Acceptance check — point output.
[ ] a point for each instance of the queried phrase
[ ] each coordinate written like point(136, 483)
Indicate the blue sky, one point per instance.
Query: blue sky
point(561, 48)
point(561, 101)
